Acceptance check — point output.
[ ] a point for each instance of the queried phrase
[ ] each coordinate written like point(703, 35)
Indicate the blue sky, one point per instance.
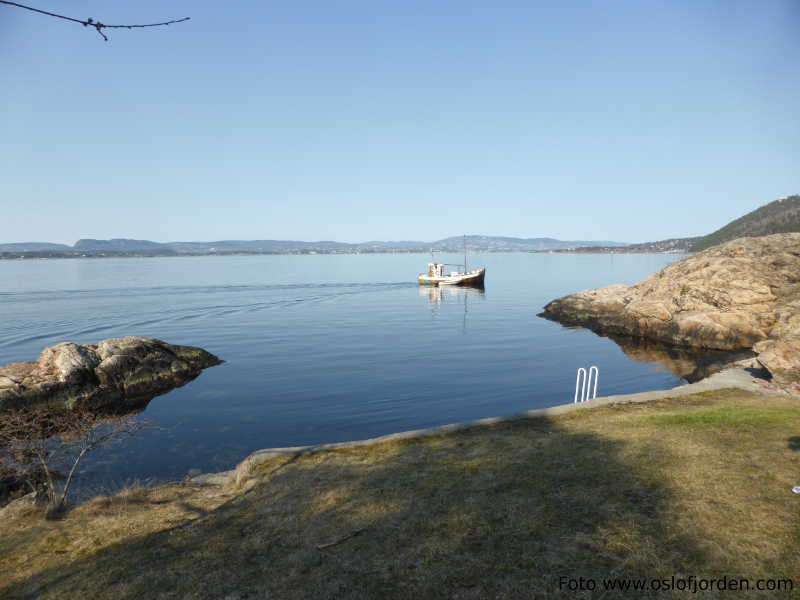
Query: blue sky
point(626, 120)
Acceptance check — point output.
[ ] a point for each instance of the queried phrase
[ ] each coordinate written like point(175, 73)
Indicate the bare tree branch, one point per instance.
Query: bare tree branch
point(90, 21)
point(36, 444)
point(90, 432)
point(25, 448)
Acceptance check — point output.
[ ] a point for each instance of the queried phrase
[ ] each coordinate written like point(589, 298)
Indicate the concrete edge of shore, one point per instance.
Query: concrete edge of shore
point(729, 378)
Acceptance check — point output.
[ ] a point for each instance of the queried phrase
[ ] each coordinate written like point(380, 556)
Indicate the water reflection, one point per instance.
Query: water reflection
point(686, 363)
point(439, 295)
point(60, 437)
point(447, 294)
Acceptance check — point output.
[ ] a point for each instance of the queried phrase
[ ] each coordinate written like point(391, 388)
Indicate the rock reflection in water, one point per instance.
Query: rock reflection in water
point(61, 428)
point(688, 364)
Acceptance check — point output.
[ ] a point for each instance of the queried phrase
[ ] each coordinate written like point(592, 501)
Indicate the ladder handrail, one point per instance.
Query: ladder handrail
point(582, 381)
point(596, 377)
point(585, 384)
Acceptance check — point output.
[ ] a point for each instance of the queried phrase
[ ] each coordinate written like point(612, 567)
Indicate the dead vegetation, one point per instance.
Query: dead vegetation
point(694, 486)
point(41, 448)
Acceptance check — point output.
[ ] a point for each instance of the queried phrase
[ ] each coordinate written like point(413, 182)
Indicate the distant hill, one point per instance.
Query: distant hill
point(780, 216)
point(116, 245)
point(122, 246)
point(34, 247)
point(265, 246)
point(511, 244)
point(670, 246)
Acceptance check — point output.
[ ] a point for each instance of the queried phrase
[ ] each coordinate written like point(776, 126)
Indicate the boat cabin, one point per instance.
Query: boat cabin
point(435, 270)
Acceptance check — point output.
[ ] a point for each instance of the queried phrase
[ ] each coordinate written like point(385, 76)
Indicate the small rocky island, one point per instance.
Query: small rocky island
point(112, 374)
point(743, 294)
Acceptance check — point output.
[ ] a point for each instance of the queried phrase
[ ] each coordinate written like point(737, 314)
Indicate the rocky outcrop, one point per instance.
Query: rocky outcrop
point(782, 359)
point(110, 374)
point(738, 295)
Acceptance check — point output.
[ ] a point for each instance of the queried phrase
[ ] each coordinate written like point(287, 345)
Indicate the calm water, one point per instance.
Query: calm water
point(321, 348)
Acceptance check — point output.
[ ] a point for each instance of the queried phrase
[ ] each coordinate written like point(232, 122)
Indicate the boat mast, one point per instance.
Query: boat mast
point(465, 253)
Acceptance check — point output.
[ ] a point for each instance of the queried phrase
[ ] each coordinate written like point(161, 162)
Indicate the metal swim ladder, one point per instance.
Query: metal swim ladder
point(584, 380)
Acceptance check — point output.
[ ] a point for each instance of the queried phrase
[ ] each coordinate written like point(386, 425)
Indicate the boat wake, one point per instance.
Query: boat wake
point(189, 303)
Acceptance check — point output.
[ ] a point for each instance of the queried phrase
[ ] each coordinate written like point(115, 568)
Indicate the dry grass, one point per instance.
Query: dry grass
point(693, 486)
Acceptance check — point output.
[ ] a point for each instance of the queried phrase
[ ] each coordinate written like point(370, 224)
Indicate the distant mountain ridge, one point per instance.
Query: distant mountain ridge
point(780, 216)
point(499, 244)
point(456, 243)
point(116, 245)
point(34, 247)
point(670, 246)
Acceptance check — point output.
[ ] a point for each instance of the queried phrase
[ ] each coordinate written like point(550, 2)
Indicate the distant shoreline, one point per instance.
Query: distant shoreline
point(31, 255)
point(143, 254)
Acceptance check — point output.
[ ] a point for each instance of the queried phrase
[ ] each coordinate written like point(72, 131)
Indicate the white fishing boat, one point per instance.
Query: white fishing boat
point(437, 275)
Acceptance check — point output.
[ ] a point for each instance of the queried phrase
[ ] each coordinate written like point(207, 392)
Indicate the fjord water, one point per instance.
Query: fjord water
point(321, 348)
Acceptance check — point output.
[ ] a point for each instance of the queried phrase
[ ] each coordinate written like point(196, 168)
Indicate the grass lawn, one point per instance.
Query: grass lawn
point(697, 486)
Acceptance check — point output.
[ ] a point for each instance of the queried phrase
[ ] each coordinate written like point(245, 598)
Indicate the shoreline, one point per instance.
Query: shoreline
point(22, 256)
point(736, 377)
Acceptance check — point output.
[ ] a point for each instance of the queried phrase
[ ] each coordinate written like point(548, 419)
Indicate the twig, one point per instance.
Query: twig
point(340, 540)
point(90, 21)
